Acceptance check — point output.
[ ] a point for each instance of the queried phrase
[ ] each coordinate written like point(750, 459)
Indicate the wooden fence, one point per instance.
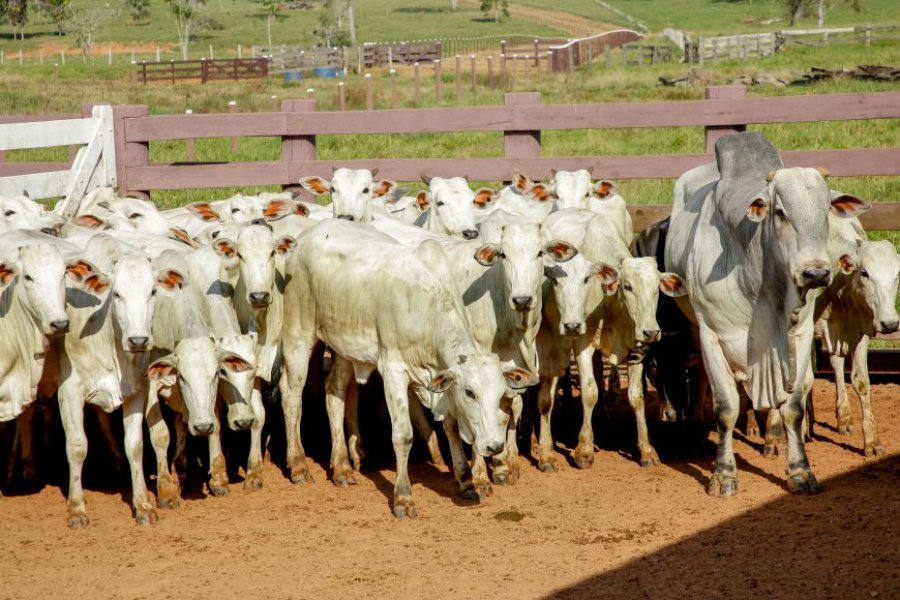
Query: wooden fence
point(734, 46)
point(583, 50)
point(203, 69)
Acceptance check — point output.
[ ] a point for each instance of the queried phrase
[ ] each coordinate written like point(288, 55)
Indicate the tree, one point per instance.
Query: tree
point(16, 12)
point(797, 9)
point(272, 10)
point(454, 4)
point(85, 23)
point(140, 10)
point(495, 8)
point(185, 13)
point(58, 11)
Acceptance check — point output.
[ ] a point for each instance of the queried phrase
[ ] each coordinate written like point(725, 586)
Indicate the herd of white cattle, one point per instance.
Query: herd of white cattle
point(460, 298)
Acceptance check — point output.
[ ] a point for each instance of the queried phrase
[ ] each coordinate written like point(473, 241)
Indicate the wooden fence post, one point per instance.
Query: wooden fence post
point(458, 77)
point(724, 92)
point(189, 154)
point(297, 148)
point(502, 70)
point(370, 97)
point(274, 100)
point(490, 71)
point(418, 84)
point(437, 80)
point(204, 70)
point(172, 66)
point(521, 144)
point(474, 73)
point(129, 154)
point(342, 97)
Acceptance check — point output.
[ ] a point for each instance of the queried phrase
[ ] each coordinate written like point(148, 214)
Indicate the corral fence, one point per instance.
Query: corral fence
point(367, 56)
point(205, 70)
point(581, 51)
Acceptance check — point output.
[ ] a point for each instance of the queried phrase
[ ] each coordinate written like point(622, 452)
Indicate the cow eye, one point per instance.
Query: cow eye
point(439, 203)
point(365, 190)
point(540, 253)
point(222, 372)
point(586, 279)
point(239, 256)
point(273, 253)
point(153, 293)
point(117, 296)
point(234, 210)
point(470, 393)
point(9, 212)
point(864, 273)
point(134, 216)
point(28, 278)
point(779, 212)
point(628, 287)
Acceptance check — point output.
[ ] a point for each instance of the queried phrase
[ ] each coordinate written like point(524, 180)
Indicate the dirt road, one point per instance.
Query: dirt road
point(617, 531)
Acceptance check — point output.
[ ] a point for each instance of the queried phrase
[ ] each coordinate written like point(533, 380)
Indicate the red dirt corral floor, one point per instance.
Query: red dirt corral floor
point(615, 531)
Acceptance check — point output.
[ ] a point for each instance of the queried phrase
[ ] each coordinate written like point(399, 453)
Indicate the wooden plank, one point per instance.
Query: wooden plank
point(175, 127)
point(521, 144)
point(6, 119)
point(847, 163)
point(179, 177)
point(51, 184)
point(14, 136)
point(8, 169)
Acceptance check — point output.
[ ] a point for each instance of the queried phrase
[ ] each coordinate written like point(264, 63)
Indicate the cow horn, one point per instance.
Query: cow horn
point(374, 172)
point(426, 179)
point(770, 176)
point(823, 171)
point(333, 169)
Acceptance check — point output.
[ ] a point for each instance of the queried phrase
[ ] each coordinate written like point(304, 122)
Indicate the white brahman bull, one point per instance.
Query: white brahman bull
point(750, 239)
point(354, 193)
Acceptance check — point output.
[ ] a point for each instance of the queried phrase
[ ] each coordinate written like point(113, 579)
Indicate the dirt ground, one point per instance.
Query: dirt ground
point(616, 530)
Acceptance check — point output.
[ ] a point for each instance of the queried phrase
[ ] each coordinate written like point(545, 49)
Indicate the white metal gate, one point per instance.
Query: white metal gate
point(94, 165)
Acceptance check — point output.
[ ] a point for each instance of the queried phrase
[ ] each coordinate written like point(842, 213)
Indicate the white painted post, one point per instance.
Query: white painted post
point(109, 56)
point(62, 56)
point(240, 53)
point(21, 58)
point(157, 54)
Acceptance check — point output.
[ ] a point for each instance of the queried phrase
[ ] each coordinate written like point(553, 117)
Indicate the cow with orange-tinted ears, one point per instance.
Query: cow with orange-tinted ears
point(574, 189)
point(528, 199)
point(450, 207)
point(352, 191)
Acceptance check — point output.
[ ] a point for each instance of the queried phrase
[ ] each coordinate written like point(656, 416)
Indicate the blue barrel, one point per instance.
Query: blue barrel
point(326, 72)
point(293, 76)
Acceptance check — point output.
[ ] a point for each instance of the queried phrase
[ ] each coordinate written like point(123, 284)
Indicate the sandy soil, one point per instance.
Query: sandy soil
point(572, 24)
point(617, 531)
point(53, 48)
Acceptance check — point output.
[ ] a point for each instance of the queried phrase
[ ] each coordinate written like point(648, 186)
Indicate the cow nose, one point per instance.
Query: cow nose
point(816, 277)
point(495, 448)
point(243, 424)
point(890, 326)
point(260, 298)
point(470, 234)
point(572, 327)
point(650, 335)
point(204, 428)
point(346, 217)
point(522, 302)
point(60, 326)
point(138, 343)
point(50, 231)
point(258, 221)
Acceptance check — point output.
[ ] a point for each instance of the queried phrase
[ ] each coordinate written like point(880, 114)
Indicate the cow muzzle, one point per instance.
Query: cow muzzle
point(815, 277)
point(470, 234)
point(573, 328)
point(138, 343)
point(494, 448)
point(203, 429)
point(888, 326)
point(347, 217)
point(58, 327)
point(522, 303)
point(260, 299)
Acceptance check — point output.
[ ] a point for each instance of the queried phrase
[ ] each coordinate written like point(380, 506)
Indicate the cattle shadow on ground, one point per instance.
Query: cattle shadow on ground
point(839, 544)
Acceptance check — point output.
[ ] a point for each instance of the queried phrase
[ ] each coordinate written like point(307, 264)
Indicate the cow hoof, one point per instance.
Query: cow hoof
point(770, 450)
point(344, 479)
point(651, 459)
point(804, 483)
point(78, 520)
point(875, 449)
point(548, 466)
point(405, 508)
point(218, 490)
point(845, 428)
point(470, 494)
point(752, 430)
point(146, 516)
point(169, 502)
point(483, 489)
point(721, 486)
point(251, 484)
point(301, 477)
point(584, 460)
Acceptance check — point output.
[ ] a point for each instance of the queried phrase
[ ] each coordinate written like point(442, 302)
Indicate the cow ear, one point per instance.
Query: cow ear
point(384, 187)
point(442, 381)
point(423, 199)
point(300, 209)
point(518, 378)
point(275, 209)
point(170, 279)
point(848, 206)
point(224, 247)
point(488, 255)
point(847, 264)
point(163, 370)
point(672, 285)
point(177, 233)
point(89, 221)
point(95, 283)
point(204, 211)
point(608, 276)
point(285, 245)
point(541, 192)
point(316, 185)
point(8, 273)
point(484, 197)
point(521, 181)
point(560, 250)
point(233, 362)
point(603, 188)
point(758, 209)
point(553, 172)
point(79, 268)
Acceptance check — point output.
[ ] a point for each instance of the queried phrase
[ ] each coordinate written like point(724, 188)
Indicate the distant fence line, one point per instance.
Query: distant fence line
point(204, 69)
